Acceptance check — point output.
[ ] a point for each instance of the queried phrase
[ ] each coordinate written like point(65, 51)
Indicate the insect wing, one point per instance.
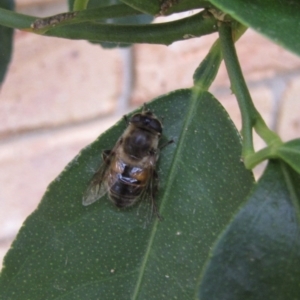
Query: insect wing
point(148, 196)
point(97, 187)
point(101, 181)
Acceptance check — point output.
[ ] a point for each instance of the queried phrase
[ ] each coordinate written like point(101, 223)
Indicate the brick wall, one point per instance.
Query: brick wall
point(59, 95)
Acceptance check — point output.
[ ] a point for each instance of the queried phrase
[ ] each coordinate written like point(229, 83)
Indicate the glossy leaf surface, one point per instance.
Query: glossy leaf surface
point(258, 256)
point(6, 40)
point(278, 20)
point(68, 251)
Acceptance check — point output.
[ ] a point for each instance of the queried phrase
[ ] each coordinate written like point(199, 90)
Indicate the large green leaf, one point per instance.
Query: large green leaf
point(68, 251)
point(258, 256)
point(278, 20)
point(6, 36)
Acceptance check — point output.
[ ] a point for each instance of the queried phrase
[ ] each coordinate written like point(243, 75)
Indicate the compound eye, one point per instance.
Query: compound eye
point(147, 121)
point(136, 118)
point(156, 125)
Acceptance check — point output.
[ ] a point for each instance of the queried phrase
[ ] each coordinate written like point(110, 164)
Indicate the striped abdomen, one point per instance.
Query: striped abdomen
point(127, 184)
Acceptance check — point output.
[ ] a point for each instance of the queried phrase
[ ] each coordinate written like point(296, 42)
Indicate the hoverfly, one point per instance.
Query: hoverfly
point(128, 171)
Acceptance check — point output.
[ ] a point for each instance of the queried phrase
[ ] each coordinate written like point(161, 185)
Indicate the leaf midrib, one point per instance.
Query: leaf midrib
point(170, 178)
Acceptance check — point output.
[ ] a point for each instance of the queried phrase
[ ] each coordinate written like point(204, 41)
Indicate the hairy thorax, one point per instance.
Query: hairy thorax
point(139, 145)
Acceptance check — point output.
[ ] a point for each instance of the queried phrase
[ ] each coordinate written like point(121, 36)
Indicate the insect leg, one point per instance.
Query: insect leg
point(166, 144)
point(126, 120)
point(145, 108)
point(105, 156)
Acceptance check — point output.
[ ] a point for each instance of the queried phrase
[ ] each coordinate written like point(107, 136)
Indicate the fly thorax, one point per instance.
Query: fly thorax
point(140, 143)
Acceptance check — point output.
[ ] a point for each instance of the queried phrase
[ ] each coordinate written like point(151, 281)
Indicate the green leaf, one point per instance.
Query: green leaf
point(147, 6)
point(14, 20)
point(93, 3)
point(68, 251)
point(180, 6)
point(258, 256)
point(114, 11)
point(6, 40)
point(106, 14)
point(134, 18)
point(277, 20)
point(290, 153)
point(79, 4)
point(130, 16)
point(155, 7)
point(209, 67)
point(164, 33)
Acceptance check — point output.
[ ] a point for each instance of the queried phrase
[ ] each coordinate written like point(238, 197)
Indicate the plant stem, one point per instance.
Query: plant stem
point(250, 116)
point(209, 67)
point(238, 86)
point(269, 136)
point(254, 159)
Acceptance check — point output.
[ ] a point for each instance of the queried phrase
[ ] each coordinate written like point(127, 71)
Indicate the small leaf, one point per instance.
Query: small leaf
point(290, 153)
point(68, 251)
point(258, 256)
point(208, 68)
point(278, 20)
point(6, 37)
point(79, 4)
